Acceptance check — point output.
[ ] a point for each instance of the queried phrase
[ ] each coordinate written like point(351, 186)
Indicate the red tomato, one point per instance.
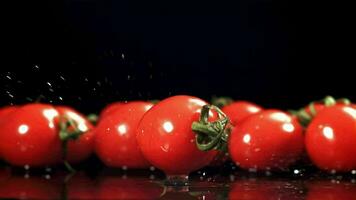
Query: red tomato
point(110, 108)
point(81, 148)
point(264, 189)
point(115, 136)
point(166, 138)
point(326, 190)
point(4, 111)
point(240, 110)
point(271, 139)
point(30, 135)
point(131, 188)
point(331, 138)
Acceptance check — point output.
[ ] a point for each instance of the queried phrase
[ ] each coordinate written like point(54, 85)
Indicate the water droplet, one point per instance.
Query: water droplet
point(60, 98)
point(268, 173)
point(204, 173)
point(27, 176)
point(353, 172)
point(123, 56)
point(128, 77)
point(296, 171)
point(62, 78)
point(333, 171)
point(36, 67)
point(48, 169)
point(8, 77)
point(27, 167)
point(232, 178)
point(124, 168)
point(152, 168)
point(152, 177)
point(124, 176)
point(49, 84)
point(47, 176)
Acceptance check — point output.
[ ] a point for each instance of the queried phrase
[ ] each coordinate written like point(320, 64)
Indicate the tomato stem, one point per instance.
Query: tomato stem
point(221, 101)
point(93, 118)
point(65, 134)
point(211, 135)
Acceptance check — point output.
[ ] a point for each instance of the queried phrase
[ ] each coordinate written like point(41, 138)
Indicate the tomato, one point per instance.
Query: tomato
point(30, 135)
point(331, 138)
point(4, 111)
point(131, 188)
point(110, 108)
point(240, 110)
point(81, 148)
point(327, 190)
point(271, 139)
point(265, 189)
point(115, 136)
point(166, 138)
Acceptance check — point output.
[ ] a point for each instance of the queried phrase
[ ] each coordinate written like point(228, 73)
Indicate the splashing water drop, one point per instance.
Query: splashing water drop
point(47, 176)
point(124, 168)
point(27, 167)
point(353, 172)
point(152, 168)
point(27, 176)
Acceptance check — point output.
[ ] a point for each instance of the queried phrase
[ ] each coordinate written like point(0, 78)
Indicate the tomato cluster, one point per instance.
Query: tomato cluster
point(181, 134)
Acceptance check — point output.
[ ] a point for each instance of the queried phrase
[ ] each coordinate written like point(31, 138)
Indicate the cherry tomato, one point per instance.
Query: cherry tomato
point(30, 135)
point(115, 136)
point(110, 108)
point(320, 190)
point(238, 111)
point(331, 138)
point(4, 111)
point(131, 188)
point(265, 189)
point(81, 148)
point(271, 139)
point(166, 138)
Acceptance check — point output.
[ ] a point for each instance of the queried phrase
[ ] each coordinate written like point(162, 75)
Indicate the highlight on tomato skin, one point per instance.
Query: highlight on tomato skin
point(82, 147)
point(331, 138)
point(269, 140)
point(330, 190)
point(115, 136)
point(166, 138)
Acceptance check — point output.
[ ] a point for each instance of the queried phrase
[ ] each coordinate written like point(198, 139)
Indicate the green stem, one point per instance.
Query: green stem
point(211, 135)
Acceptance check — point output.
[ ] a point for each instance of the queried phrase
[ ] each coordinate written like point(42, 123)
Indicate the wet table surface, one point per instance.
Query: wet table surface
point(127, 184)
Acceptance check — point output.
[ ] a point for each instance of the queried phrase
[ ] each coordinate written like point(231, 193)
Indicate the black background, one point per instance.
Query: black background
point(87, 53)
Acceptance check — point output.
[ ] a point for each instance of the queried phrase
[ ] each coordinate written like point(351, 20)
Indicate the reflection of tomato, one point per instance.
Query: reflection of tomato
point(238, 111)
point(115, 136)
point(30, 135)
point(264, 189)
point(131, 188)
point(81, 148)
point(325, 190)
point(270, 139)
point(30, 188)
point(331, 138)
point(166, 138)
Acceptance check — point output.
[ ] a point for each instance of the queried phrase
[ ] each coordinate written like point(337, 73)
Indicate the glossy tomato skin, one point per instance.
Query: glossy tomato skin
point(166, 139)
point(4, 111)
point(331, 138)
point(238, 111)
point(81, 148)
point(29, 136)
point(271, 139)
point(110, 109)
point(115, 136)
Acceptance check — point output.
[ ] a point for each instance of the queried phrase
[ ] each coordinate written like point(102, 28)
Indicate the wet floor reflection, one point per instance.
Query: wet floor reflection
point(117, 186)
